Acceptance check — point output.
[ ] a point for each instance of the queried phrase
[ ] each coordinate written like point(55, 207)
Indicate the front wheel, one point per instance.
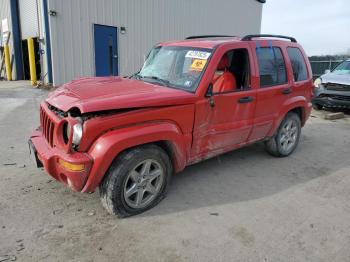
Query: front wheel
point(284, 142)
point(136, 181)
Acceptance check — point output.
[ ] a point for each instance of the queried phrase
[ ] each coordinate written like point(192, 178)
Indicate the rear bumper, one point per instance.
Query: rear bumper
point(49, 157)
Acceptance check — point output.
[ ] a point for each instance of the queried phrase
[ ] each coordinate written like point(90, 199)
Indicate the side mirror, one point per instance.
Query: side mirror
point(327, 71)
point(209, 90)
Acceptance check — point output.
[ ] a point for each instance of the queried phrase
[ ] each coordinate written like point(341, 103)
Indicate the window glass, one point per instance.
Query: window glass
point(176, 67)
point(343, 68)
point(161, 63)
point(281, 68)
point(271, 66)
point(298, 64)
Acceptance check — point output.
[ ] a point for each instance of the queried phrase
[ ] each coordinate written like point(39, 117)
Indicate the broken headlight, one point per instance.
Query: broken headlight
point(77, 133)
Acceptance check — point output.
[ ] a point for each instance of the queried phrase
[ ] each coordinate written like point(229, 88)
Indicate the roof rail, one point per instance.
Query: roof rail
point(249, 37)
point(207, 36)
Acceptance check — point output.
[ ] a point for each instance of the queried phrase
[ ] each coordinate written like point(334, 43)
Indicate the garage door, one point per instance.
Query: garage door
point(28, 18)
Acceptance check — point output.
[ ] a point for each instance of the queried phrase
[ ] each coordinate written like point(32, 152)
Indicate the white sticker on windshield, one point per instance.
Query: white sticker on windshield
point(188, 83)
point(198, 54)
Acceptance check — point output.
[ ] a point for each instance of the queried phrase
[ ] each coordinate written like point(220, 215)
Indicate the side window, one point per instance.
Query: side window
point(298, 64)
point(233, 72)
point(271, 66)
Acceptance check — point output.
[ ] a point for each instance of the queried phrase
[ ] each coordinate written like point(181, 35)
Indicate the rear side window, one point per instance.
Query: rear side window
point(298, 64)
point(272, 67)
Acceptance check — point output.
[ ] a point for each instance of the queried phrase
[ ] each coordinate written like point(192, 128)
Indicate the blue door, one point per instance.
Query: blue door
point(106, 50)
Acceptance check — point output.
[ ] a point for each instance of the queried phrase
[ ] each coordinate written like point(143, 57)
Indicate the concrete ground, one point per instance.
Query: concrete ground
point(242, 206)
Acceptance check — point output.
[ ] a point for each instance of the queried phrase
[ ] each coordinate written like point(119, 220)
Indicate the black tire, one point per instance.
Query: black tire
point(113, 186)
point(317, 107)
point(274, 147)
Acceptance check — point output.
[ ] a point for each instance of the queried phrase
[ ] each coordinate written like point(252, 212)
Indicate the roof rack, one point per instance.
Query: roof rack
point(249, 37)
point(207, 36)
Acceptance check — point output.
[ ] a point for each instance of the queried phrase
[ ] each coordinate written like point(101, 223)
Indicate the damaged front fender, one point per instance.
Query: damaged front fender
point(107, 147)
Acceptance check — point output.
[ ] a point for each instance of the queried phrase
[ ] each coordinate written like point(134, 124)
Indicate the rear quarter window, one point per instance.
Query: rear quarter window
point(298, 64)
point(272, 67)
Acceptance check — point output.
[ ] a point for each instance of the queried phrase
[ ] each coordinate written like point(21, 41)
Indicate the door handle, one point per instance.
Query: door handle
point(115, 56)
point(287, 91)
point(246, 99)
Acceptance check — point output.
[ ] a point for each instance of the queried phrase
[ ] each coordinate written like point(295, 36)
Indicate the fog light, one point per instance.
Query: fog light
point(71, 167)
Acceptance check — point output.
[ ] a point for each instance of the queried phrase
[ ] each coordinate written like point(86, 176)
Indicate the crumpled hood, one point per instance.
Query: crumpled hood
point(343, 79)
point(107, 93)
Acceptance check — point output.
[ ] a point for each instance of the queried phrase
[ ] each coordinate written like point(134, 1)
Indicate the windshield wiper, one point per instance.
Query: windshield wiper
point(136, 75)
point(156, 78)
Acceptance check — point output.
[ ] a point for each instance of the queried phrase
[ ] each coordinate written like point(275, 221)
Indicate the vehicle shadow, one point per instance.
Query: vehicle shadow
point(250, 173)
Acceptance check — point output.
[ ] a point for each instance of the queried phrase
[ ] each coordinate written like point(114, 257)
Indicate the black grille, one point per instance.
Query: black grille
point(337, 87)
point(58, 112)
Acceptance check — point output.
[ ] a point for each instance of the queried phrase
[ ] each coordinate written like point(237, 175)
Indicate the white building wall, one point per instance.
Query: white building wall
point(5, 12)
point(146, 22)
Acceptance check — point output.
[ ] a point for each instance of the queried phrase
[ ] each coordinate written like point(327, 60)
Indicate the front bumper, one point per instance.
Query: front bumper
point(330, 98)
point(49, 157)
point(331, 102)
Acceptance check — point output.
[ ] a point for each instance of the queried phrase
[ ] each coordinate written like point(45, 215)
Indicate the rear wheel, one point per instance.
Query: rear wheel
point(284, 142)
point(136, 181)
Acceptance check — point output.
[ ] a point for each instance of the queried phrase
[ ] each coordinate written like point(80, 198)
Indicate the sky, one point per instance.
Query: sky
point(321, 26)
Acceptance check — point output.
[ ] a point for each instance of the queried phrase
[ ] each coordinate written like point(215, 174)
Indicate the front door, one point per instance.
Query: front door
point(106, 50)
point(226, 122)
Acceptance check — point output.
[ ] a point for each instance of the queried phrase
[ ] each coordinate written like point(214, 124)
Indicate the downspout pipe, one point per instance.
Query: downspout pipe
point(16, 34)
point(47, 42)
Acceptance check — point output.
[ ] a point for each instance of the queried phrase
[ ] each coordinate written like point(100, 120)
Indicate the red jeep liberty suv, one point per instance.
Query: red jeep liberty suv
point(192, 100)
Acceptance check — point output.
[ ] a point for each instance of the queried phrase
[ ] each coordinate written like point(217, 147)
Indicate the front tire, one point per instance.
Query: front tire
point(284, 142)
point(136, 181)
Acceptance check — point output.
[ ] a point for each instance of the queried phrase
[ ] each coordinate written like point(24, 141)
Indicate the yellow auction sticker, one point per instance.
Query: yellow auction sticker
point(198, 64)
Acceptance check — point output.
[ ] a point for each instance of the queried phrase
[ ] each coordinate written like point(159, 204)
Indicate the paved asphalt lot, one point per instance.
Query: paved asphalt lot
point(242, 206)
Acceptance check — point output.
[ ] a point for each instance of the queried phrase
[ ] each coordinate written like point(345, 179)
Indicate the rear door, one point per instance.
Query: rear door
point(302, 77)
point(273, 90)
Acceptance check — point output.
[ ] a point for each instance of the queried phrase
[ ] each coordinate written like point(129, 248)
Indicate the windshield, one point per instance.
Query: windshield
point(177, 67)
point(343, 68)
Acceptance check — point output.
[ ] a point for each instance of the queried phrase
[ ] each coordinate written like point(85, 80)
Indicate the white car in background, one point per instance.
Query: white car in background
point(332, 90)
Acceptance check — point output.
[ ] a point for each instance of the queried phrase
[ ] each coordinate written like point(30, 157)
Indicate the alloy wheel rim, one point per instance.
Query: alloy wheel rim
point(143, 184)
point(289, 135)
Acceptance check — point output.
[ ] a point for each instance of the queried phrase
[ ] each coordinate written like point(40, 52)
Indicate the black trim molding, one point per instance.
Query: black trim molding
point(261, 1)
